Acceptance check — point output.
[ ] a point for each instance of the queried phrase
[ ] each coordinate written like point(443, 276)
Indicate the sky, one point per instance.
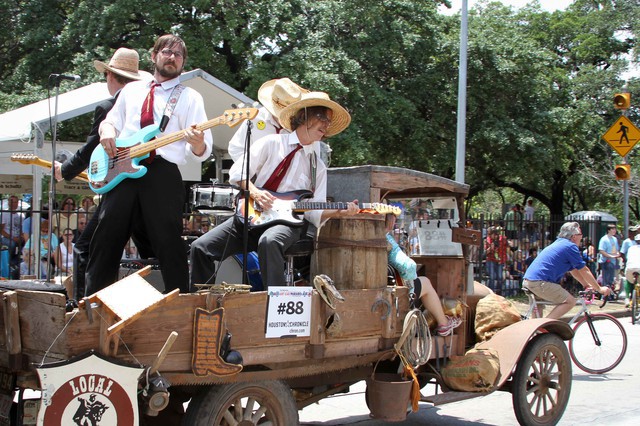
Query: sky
point(549, 5)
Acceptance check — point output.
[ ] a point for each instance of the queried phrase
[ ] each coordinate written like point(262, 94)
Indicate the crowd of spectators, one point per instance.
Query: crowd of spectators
point(26, 242)
point(510, 245)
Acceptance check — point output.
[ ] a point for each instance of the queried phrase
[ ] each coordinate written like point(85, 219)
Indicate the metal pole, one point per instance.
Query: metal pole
point(625, 206)
point(625, 195)
point(462, 96)
point(52, 183)
point(625, 185)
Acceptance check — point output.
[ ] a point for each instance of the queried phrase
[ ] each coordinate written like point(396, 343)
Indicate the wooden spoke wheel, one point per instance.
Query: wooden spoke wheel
point(542, 382)
point(267, 403)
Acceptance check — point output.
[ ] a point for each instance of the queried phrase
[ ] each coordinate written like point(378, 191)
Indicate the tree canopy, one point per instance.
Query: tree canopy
point(540, 84)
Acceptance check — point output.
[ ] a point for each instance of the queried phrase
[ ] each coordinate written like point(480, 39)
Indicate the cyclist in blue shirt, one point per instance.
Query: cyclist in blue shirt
point(542, 278)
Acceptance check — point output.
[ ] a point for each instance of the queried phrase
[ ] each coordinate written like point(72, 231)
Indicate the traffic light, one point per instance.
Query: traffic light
point(622, 100)
point(623, 171)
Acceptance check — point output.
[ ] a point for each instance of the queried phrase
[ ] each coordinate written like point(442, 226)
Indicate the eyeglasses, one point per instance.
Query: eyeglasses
point(323, 118)
point(69, 203)
point(168, 52)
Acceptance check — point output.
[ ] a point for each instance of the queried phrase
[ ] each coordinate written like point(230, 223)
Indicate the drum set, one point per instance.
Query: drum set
point(218, 202)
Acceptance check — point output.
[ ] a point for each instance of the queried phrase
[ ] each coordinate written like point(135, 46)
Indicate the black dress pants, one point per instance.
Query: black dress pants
point(82, 246)
point(155, 201)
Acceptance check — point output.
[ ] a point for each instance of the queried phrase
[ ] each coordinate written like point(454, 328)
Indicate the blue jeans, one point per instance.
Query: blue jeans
point(495, 269)
point(608, 272)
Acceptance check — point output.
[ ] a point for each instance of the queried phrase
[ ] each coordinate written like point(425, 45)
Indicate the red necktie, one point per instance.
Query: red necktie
point(278, 174)
point(146, 115)
point(278, 129)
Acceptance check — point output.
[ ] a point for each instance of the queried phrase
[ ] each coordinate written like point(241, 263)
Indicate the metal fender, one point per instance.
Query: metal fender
point(511, 341)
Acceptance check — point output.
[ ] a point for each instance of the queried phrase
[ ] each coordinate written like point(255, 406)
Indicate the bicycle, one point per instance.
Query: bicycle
point(635, 294)
point(599, 342)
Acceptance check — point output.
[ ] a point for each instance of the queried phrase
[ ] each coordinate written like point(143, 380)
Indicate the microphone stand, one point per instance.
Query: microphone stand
point(245, 227)
point(52, 181)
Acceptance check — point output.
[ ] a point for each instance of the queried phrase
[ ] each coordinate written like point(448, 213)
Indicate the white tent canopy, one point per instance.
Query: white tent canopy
point(592, 215)
point(22, 130)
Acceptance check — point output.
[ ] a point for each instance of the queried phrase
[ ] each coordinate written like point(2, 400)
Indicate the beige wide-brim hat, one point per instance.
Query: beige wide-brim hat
point(124, 62)
point(277, 94)
point(339, 121)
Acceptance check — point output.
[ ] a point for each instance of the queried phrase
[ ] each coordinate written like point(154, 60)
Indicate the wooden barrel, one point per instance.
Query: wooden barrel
point(352, 252)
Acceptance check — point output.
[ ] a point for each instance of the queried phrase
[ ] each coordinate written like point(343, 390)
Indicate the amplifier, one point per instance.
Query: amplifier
point(128, 267)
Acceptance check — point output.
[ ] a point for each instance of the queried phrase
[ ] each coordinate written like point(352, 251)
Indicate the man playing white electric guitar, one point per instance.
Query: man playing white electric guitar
point(280, 163)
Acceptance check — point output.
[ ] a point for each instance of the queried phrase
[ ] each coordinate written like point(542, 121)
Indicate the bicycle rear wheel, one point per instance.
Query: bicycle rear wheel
point(599, 343)
point(635, 309)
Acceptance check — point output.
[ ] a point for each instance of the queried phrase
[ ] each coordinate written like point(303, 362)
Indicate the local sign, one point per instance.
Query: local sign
point(622, 136)
point(88, 390)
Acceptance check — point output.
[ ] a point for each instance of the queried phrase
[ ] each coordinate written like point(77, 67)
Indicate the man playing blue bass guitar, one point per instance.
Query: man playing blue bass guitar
point(157, 197)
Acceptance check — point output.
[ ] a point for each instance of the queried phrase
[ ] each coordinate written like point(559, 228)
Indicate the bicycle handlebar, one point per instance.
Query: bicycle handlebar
point(588, 294)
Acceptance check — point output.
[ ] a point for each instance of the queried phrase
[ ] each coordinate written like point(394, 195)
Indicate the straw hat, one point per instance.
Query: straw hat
point(124, 62)
point(339, 121)
point(277, 94)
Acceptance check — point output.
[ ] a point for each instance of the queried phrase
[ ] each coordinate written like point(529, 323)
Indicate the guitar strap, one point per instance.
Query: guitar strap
point(313, 164)
point(171, 105)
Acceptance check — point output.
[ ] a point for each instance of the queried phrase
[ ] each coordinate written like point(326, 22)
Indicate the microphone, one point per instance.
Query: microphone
point(73, 77)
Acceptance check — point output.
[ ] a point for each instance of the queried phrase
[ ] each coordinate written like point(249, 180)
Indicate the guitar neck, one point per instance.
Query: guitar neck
point(145, 148)
point(301, 206)
point(41, 163)
point(36, 161)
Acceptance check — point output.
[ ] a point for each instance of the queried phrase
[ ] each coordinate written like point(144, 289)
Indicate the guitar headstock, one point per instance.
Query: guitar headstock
point(233, 117)
point(381, 208)
point(24, 158)
point(386, 208)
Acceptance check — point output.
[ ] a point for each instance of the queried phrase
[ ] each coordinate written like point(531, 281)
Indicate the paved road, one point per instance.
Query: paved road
point(611, 399)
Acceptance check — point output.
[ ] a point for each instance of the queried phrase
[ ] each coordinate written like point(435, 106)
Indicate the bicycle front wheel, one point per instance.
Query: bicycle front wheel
point(635, 309)
point(599, 343)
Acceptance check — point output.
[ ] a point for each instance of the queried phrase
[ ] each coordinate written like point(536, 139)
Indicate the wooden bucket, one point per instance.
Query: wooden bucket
point(352, 252)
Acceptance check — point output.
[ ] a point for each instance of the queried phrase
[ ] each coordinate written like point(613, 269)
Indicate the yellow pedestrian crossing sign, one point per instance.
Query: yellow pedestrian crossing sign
point(622, 136)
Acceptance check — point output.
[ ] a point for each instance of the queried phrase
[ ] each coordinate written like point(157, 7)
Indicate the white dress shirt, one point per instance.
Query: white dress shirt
point(262, 125)
point(125, 116)
point(266, 155)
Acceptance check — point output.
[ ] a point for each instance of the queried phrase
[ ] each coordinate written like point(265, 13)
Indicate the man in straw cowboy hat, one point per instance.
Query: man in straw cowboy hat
point(274, 95)
point(279, 163)
point(121, 70)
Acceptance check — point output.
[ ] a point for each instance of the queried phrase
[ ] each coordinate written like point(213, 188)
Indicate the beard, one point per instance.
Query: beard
point(166, 73)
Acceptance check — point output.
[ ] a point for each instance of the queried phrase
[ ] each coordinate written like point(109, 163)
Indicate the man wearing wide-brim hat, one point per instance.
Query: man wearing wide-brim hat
point(121, 69)
point(279, 163)
point(274, 95)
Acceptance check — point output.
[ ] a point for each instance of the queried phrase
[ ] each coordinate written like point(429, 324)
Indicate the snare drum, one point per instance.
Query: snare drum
point(213, 197)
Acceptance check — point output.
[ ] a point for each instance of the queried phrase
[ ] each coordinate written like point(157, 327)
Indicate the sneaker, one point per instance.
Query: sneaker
point(446, 330)
point(626, 302)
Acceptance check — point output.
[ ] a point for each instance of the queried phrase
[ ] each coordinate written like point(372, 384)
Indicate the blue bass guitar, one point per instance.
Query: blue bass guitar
point(105, 173)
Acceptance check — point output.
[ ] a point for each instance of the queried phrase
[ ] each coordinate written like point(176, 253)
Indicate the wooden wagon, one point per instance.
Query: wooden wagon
point(131, 322)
